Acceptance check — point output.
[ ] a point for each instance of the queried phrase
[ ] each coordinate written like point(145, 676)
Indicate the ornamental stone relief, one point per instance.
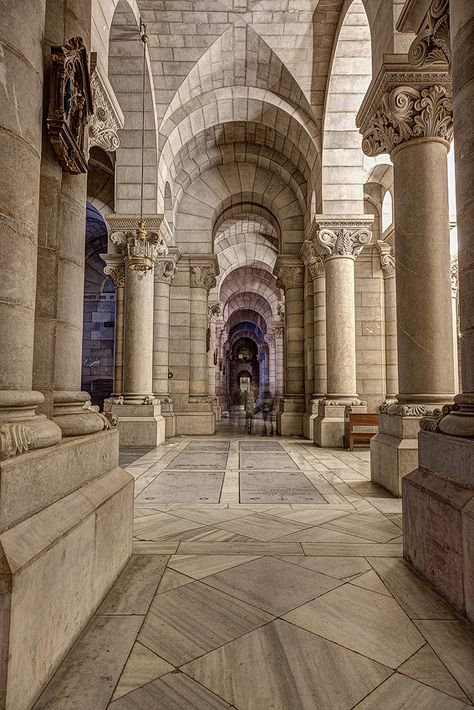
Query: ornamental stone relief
point(406, 113)
point(343, 241)
point(107, 118)
point(432, 44)
point(290, 277)
point(116, 273)
point(311, 258)
point(165, 271)
point(387, 260)
point(203, 276)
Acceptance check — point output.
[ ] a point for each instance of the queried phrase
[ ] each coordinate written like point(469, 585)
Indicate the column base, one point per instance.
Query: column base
point(394, 451)
point(196, 423)
point(330, 426)
point(309, 416)
point(140, 425)
point(75, 416)
point(438, 518)
point(289, 418)
point(69, 512)
point(21, 429)
point(167, 412)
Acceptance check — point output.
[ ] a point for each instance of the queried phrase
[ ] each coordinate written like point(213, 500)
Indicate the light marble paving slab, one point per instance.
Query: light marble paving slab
point(453, 642)
point(209, 517)
point(337, 567)
point(199, 566)
point(276, 486)
point(261, 526)
point(364, 621)
point(356, 550)
point(136, 586)
point(309, 516)
point(87, 677)
point(320, 534)
point(272, 584)
point(207, 460)
point(376, 528)
point(142, 667)
point(162, 526)
point(154, 548)
point(184, 487)
point(172, 580)
point(388, 505)
point(402, 693)
point(194, 619)
point(414, 595)
point(174, 691)
point(282, 667)
point(269, 461)
point(256, 445)
point(240, 548)
point(207, 445)
point(426, 667)
point(369, 580)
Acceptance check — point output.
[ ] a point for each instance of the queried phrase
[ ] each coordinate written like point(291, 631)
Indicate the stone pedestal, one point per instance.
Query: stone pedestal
point(330, 426)
point(290, 415)
point(394, 450)
point(66, 521)
point(438, 524)
point(140, 424)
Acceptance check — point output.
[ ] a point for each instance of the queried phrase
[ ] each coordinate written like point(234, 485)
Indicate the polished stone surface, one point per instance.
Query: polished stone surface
point(267, 606)
point(277, 487)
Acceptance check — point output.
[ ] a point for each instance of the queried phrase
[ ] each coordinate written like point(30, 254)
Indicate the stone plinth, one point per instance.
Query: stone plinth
point(290, 416)
point(394, 450)
point(438, 517)
point(329, 429)
point(67, 516)
point(312, 406)
point(167, 412)
point(140, 424)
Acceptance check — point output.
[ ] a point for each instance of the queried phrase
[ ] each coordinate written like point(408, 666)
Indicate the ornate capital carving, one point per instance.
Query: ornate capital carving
point(278, 328)
point(203, 276)
point(290, 274)
point(215, 310)
point(432, 44)
point(107, 118)
point(403, 410)
point(340, 236)
point(141, 240)
point(311, 258)
point(454, 276)
point(404, 104)
point(387, 260)
point(117, 274)
point(165, 270)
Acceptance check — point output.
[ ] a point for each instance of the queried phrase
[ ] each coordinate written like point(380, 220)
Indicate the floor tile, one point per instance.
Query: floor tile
point(338, 567)
point(320, 534)
point(172, 580)
point(210, 516)
point(363, 621)
point(178, 486)
point(356, 550)
point(142, 667)
point(281, 667)
point(453, 642)
point(154, 548)
point(401, 693)
point(369, 580)
point(174, 691)
point(207, 460)
point(193, 619)
point(162, 526)
point(87, 677)
point(199, 566)
point(261, 527)
point(426, 667)
point(240, 548)
point(371, 527)
point(272, 584)
point(413, 594)
point(310, 516)
point(274, 486)
point(269, 461)
point(135, 588)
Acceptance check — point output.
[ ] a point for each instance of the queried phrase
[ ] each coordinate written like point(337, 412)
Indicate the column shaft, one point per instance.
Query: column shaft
point(198, 330)
point(294, 340)
point(118, 341)
point(391, 356)
point(161, 337)
point(319, 348)
point(138, 336)
point(308, 334)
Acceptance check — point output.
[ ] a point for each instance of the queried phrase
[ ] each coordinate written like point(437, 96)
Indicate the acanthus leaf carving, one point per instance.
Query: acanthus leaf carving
point(432, 44)
point(14, 440)
point(165, 271)
point(387, 260)
point(290, 276)
point(343, 241)
point(116, 273)
point(106, 121)
point(311, 258)
point(203, 276)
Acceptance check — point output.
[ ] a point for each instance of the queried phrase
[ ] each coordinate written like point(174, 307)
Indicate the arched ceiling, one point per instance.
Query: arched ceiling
point(245, 283)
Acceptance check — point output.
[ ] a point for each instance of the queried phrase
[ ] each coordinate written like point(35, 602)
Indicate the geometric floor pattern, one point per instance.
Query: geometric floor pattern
point(266, 604)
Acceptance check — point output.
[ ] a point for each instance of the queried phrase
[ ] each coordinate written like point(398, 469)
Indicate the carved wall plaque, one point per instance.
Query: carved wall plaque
point(70, 104)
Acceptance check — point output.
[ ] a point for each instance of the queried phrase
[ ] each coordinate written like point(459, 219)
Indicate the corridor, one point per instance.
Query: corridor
point(266, 574)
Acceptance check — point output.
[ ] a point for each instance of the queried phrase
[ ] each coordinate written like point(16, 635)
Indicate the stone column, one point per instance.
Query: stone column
point(290, 274)
point(115, 270)
point(139, 413)
point(202, 273)
point(278, 327)
point(340, 240)
point(165, 270)
point(387, 262)
point(214, 312)
point(408, 114)
point(271, 340)
point(455, 312)
point(438, 496)
point(20, 149)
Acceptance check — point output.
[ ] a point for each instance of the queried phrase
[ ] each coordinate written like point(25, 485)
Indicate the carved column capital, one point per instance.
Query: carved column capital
point(429, 20)
point(343, 236)
point(215, 310)
point(454, 276)
point(289, 273)
point(107, 118)
point(405, 105)
point(165, 270)
point(387, 260)
point(203, 273)
point(114, 268)
point(311, 258)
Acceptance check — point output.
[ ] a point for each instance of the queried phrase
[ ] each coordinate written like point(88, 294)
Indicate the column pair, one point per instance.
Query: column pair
point(408, 114)
point(289, 271)
point(338, 240)
point(143, 245)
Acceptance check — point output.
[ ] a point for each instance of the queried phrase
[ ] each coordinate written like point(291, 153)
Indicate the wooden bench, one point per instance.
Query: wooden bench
point(362, 427)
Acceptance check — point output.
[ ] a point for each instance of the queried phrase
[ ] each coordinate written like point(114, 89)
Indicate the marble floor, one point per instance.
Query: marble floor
point(267, 574)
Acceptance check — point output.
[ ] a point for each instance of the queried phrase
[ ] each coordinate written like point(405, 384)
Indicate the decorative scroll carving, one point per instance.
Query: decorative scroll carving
point(70, 104)
point(290, 277)
point(431, 423)
point(403, 410)
point(165, 271)
point(281, 309)
point(203, 276)
point(454, 276)
point(116, 273)
point(432, 44)
point(387, 260)
point(215, 310)
point(407, 113)
point(278, 328)
point(14, 440)
point(311, 258)
point(344, 241)
point(140, 247)
point(106, 120)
